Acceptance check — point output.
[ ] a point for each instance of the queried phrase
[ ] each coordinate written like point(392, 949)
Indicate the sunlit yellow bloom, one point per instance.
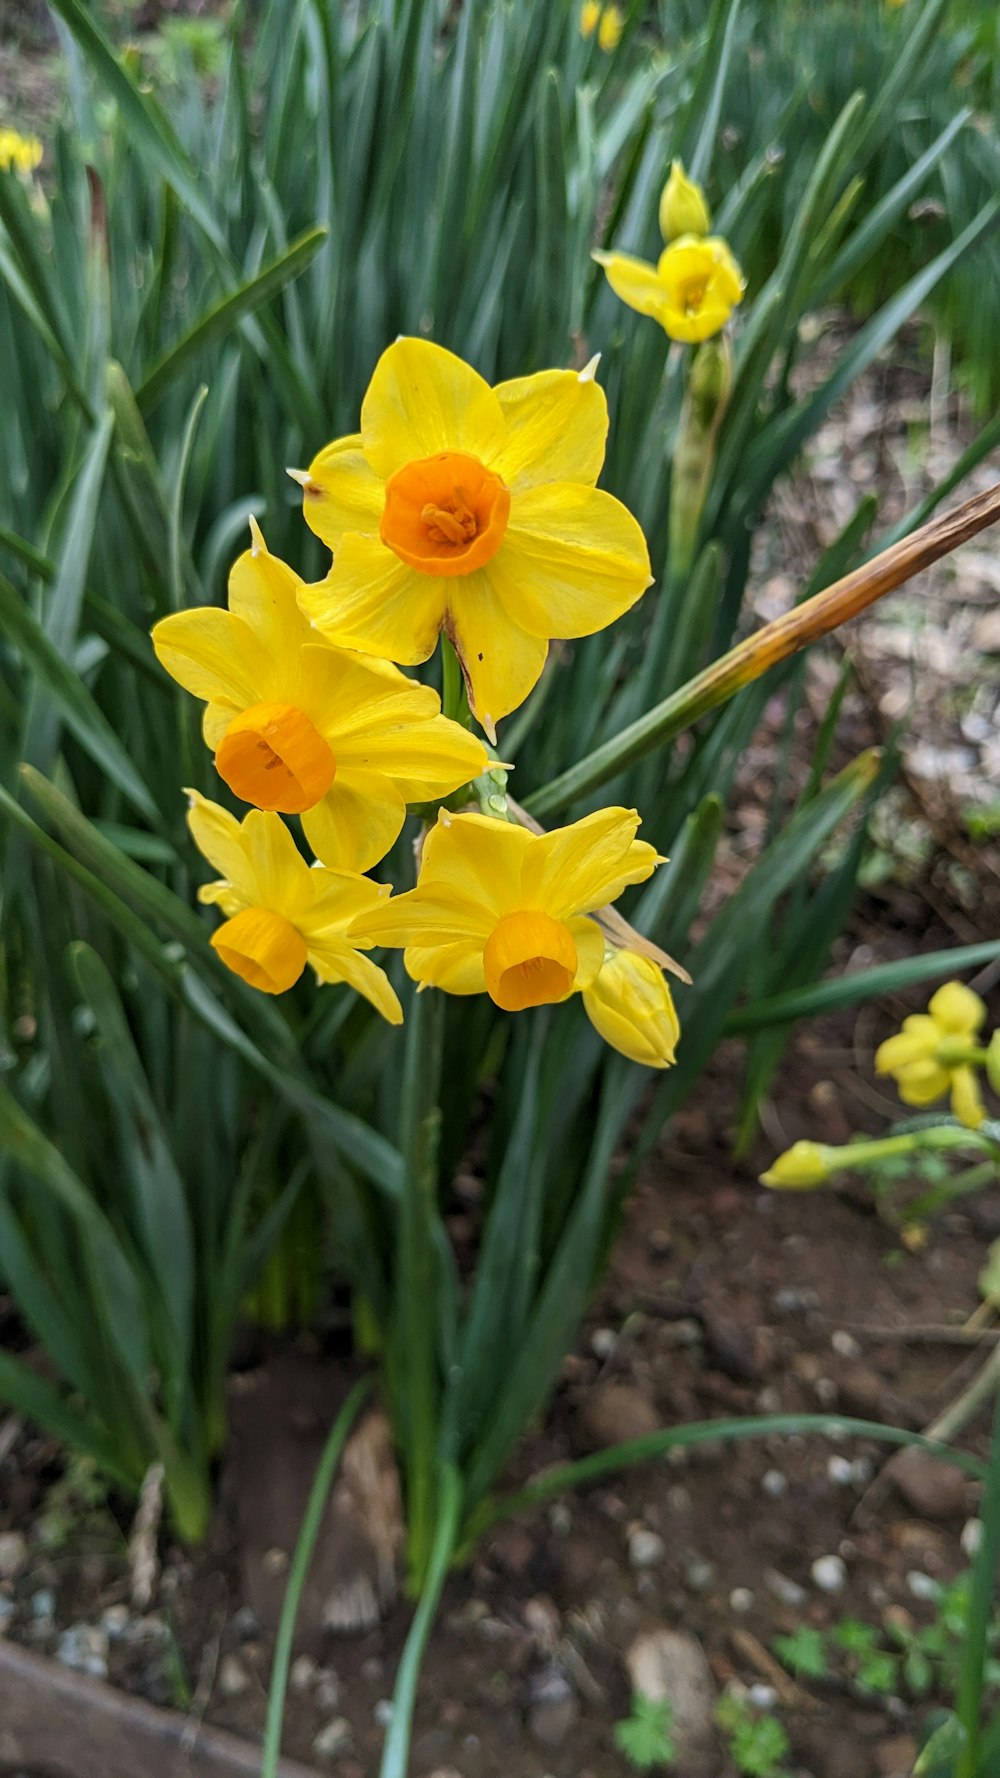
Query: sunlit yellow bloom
point(629, 1002)
point(590, 13)
point(471, 510)
point(609, 31)
point(307, 729)
point(502, 911)
point(801, 1168)
point(683, 210)
point(691, 291)
point(936, 1052)
point(282, 913)
point(20, 153)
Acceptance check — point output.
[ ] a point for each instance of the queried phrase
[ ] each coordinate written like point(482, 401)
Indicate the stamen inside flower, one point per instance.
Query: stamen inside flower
point(694, 295)
point(445, 515)
point(529, 960)
point(273, 756)
point(262, 947)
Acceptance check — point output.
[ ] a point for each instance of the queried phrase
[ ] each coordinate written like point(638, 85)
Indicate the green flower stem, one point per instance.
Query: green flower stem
point(454, 699)
point(315, 1508)
point(973, 1676)
point(767, 648)
point(413, 1354)
point(953, 1052)
point(860, 1154)
point(397, 1747)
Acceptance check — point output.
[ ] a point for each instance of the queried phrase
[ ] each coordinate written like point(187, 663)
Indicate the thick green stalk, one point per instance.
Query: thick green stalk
point(767, 648)
point(315, 1508)
point(397, 1747)
point(973, 1675)
point(414, 1348)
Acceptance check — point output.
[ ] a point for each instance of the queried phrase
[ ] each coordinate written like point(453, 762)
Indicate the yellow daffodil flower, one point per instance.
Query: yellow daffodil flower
point(609, 31)
point(630, 1004)
point(502, 911)
point(22, 154)
point(801, 1168)
point(282, 913)
point(691, 291)
point(590, 16)
point(683, 210)
point(471, 510)
point(306, 729)
point(936, 1052)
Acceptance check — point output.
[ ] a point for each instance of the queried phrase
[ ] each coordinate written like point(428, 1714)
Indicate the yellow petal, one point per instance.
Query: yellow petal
point(577, 868)
point(280, 871)
point(457, 968)
point(966, 1099)
point(262, 591)
point(631, 1005)
point(339, 897)
point(426, 918)
point(501, 662)
point(802, 1167)
point(480, 859)
point(572, 561)
point(634, 280)
point(373, 602)
point(589, 941)
point(916, 1042)
point(957, 1010)
point(219, 838)
point(339, 963)
point(426, 760)
point(556, 428)
point(920, 1083)
point(212, 655)
point(347, 695)
point(422, 400)
point(358, 821)
point(341, 492)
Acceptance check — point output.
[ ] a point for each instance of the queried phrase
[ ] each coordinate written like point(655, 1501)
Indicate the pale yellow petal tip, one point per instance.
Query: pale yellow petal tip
point(257, 545)
point(299, 475)
point(589, 372)
point(489, 727)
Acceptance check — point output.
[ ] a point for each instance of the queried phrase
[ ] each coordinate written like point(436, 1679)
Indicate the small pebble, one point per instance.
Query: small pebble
point(244, 1621)
point(922, 1586)
point(762, 1697)
point(43, 1604)
point(302, 1673)
point(699, 1574)
point(13, 1554)
point(783, 1588)
point(826, 1392)
point(233, 1679)
point(116, 1622)
point(603, 1341)
point(327, 1690)
point(829, 1574)
point(740, 1600)
point(383, 1713)
point(844, 1344)
point(790, 1301)
point(645, 1549)
point(678, 1499)
point(84, 1648)
point(334, 1739)
point(560, 1519)
point(775, 1483)
point(972, 1537)
point(274, 1561)
point(840, 1471)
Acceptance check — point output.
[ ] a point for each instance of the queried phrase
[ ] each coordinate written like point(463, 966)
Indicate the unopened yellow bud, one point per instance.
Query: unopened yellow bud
point(590, 13)
point(801, 1168)
point(683, 210)
point(609, 31)
point(629, 1002)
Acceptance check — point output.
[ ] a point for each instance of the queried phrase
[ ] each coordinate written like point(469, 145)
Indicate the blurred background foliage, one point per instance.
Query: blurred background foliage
point(232, 221)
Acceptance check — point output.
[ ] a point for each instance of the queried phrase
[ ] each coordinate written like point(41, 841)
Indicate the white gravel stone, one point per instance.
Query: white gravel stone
point(302, 1674)
point(645, 1548)
point(923, 1586)
point(334, 1739)
point(740, 1600)
point(829, 1574)
point(13, 1554)
point(840, 1471)
point(972, 1537)
point(774, 1483)
point(783, 1588)
point(233, 1679)
point(762, 1697)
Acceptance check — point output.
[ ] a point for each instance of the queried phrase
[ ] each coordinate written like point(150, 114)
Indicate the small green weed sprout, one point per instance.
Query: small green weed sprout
point(644, 1735)
point(756, 1740)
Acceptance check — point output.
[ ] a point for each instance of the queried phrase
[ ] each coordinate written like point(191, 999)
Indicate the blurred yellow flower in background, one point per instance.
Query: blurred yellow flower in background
point(474, 511)
point(307, 729)
point(607, 21)
point(21, 154)
point(936, 1052)
point(691, 291)
point(502, 911)
point(630, 1004)
point(282, 913)
point(801, 1168)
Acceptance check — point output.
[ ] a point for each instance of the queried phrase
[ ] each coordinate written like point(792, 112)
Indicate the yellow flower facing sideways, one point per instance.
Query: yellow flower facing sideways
point(691, 291)
point(502, 911)
point(306, 729)
point(281, 913)
point(20, 154)
point(630, 1004)
point(937, 1052)
point(474, 511)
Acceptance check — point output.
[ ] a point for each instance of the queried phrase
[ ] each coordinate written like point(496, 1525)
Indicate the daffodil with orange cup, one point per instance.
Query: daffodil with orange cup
point(473, 511)
point(502, 911)
point(304, 728)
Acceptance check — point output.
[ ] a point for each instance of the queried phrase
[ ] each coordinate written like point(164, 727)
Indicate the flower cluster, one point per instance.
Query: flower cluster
point(696, 283)
point(458, 509)
point(607, 21)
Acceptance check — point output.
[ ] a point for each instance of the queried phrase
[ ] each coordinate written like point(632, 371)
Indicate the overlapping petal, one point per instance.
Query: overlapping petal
point(583, 866)
point(574, 559)
point(421, 400)
point(375, 603)
point(341, 491)
point(358, 821)
point(213, 655)
point(501, 661)
point(957, 1010)
point(634, 280)
point(480, 857)
point(556, 428)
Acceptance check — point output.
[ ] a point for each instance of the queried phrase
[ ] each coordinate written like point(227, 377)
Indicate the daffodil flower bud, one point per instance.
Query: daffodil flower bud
point(683, 210)
point(801, 1168)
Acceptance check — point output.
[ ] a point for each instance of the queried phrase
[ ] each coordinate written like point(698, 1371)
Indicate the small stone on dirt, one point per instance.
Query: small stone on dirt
point(741, 1601)
point(784, 1589)
point(775, 1483)
point(43, 1604)
point(13, 1554)
point(670, 1665)
point(334, 1739)
point(233, 1678)
point(971, 1538)
point(829, 1574)
point(933, 1488)
point(698, 1573)
point(302, 1674)
point(327, 1690)
point(610, 1413)
point(645, 1548)
point(245, 1623)
point(116, 1622)
point(861, 1392)
point(554, 1707)
point(84, 1648)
